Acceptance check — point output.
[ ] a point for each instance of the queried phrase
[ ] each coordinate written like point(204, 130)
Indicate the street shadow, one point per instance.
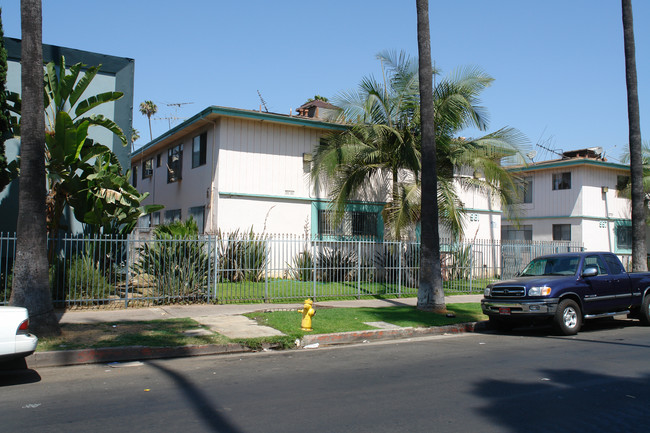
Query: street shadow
point(546, 330)
point(560, 400)
point(201, 403)
point(16, 372)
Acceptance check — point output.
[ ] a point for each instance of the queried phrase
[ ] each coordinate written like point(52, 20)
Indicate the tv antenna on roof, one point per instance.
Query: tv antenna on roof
point(263, 102)
point(560, 153)
point(177, 106)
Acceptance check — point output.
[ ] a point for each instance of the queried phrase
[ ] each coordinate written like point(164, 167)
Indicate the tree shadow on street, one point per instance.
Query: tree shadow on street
point(201, 403)
point(560, 400)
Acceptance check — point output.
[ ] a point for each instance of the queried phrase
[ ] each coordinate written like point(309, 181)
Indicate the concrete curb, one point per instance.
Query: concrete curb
point(131, 353)
point(389, 334)
point(138, 353)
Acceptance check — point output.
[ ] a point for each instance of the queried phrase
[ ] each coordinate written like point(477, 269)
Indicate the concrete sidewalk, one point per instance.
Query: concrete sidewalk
point(229, 320)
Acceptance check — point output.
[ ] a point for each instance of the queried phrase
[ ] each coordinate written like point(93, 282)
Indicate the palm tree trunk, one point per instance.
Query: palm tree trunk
point(395, 187)
point(30, 287)
point(431, 296)
point(639, 251)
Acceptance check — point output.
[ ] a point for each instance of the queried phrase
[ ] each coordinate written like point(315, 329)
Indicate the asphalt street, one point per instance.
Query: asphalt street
point(529, 380)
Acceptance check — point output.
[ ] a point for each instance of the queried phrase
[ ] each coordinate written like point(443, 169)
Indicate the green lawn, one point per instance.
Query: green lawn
point(328, 320)
point(171, 332)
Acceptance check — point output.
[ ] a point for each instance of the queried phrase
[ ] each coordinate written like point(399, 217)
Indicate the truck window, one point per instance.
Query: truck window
point(614, 264)
point(595, 261)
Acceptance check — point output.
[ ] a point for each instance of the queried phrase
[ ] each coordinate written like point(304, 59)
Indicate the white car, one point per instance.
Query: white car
point(15, 339)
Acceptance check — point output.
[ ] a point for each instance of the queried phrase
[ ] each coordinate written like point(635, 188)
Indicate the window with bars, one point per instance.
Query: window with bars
point(623, 237)
point(353, 223)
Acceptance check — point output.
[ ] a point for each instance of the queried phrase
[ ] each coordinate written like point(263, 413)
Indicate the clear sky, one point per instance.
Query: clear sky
point(558, 65)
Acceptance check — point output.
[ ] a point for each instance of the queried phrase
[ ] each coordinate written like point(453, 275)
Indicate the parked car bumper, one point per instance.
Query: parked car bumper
point(505, 307)
point(25, 346)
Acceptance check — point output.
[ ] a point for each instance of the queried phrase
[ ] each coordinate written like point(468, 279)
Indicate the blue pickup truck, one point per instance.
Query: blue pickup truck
point(566, 289)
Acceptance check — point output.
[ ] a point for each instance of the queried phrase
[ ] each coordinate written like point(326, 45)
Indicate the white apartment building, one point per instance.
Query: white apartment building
point(577, 198)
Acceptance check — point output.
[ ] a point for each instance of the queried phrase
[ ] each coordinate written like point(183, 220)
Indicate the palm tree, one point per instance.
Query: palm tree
point(382, 144)
point(639, 251)
point(626, 189)
point(31, 281)
point(148, 108)
point(135, 135)
point(5, 124)
point(431, 296)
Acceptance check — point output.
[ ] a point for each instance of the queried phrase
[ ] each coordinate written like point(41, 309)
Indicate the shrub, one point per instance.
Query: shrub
point(335, 265)
point(84, 279)
point(302, 268)
point(177, 259)
point(242, 257)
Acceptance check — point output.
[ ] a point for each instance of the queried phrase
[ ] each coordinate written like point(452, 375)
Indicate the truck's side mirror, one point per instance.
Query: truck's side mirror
point(591, 271)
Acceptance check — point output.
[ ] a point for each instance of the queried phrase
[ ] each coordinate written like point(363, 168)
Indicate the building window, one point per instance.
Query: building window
point(155, 219)
point(134, 179)
point(513, 233)
point(158, 158)
point(147, 168)
point(144, 222)
point(561, 232)
point(362, 224)
point(199, 144)
point(527, 190)
point(623, 237)
point(622, 182)
point(562, 181)
point(198, 214)
point(172, 215)
point(174, 163)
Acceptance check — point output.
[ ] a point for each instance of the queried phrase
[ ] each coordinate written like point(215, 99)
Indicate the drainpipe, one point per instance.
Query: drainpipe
point(604, 190)
point(213, 168)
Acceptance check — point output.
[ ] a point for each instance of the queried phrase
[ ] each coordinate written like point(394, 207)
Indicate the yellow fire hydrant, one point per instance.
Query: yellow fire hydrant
point(307, 313)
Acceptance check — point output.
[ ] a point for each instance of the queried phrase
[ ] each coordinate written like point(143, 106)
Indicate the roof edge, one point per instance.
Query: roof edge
point(246, 114)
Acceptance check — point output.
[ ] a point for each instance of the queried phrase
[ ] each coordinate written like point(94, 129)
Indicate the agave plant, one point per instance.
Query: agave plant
point(178, 261)
point(335, 265)
point(242, 257)
point(302, 267)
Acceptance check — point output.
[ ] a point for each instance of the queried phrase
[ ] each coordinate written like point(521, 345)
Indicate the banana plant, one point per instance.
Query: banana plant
point(82, 173)
point(63, 91)
point(105, 200)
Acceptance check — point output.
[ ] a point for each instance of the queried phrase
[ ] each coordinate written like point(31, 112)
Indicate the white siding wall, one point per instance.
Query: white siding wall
point(264, 158)
point(191, 191)
point(261, 178)
point(585, 206)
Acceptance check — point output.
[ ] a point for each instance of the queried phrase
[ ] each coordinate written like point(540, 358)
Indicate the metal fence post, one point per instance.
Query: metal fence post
point(313, 260)
point(126, 282)
point(399, 269)
point(359, 269)
point(267, 252)
point(216, 267)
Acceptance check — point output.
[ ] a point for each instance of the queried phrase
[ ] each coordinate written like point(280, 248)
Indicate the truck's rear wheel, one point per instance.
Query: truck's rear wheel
point(568, 318)
point(644, 314)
